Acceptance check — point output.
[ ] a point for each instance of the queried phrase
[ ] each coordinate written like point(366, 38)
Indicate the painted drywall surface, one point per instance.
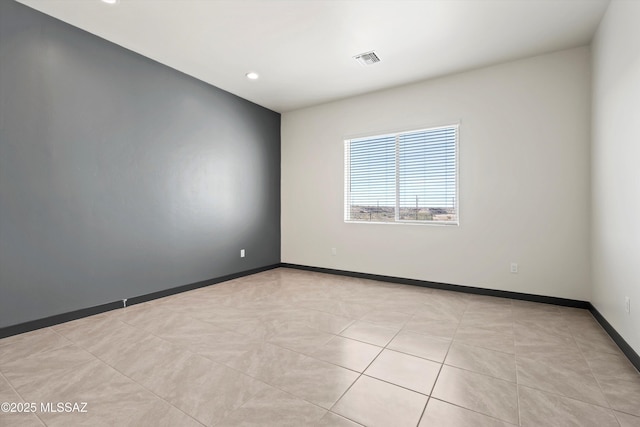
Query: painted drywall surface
point(616, 170)
point(119, 176)
point(524, 179)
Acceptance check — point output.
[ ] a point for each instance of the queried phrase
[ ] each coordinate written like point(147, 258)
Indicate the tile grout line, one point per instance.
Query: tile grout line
point(610, 408)
point(70, 343)
point(270, 384)
point(552, 393)
point(21, 397)
point(475, 412)
point(433, 387)
point(363, 371)
point(474, 372)
point(574, 398)
point(128, 377)
point(188, 350)
point(333, 335)
point(367, 367)
point(591, 369)
point(279, 389)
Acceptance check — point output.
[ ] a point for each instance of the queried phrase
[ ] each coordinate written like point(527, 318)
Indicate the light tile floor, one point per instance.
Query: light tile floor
point(296, 348)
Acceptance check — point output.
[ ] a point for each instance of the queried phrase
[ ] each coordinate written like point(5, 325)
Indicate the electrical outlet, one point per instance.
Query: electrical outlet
point(241, 253)
point(334, 251)
point(514, 268)
point(627, 305)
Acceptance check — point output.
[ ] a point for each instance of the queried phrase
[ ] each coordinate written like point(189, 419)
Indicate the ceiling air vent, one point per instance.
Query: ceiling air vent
point(368, 58)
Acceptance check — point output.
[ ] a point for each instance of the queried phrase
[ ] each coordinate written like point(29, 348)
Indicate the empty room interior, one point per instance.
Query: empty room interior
point(319, 213)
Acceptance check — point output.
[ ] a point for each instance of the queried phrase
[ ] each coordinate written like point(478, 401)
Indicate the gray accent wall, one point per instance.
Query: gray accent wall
point(120, 176)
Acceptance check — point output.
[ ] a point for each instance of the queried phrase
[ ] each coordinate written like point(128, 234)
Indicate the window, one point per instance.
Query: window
point(407, 177)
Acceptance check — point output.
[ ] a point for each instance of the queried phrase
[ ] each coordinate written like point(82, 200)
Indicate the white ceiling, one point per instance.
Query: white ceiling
point(303, 49)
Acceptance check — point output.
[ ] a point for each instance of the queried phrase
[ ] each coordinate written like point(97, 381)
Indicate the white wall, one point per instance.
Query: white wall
point(616, 168)
point(524, 179)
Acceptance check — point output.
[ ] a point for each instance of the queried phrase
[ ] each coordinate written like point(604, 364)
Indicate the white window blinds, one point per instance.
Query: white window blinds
point(404, 177)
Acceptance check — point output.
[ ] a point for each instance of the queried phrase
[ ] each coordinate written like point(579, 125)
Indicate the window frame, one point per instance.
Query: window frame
point(396, 134)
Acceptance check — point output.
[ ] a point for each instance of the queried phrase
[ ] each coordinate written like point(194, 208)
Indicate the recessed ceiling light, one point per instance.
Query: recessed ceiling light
point(252, 76)
point(110, 1)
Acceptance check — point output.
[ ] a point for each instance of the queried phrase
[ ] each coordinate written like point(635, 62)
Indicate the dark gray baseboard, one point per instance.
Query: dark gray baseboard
point(448, 287)
point(615, 336)
point(32, 325)
point(45, 322)
point(628, 351)
point(631, 354)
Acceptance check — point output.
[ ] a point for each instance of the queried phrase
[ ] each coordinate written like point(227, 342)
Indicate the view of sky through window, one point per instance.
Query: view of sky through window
point(410, 176)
